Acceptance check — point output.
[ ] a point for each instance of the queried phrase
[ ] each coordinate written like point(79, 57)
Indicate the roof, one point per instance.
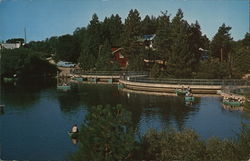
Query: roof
point(146, 37)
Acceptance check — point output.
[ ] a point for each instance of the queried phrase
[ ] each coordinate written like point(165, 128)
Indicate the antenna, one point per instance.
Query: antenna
point(25, 35)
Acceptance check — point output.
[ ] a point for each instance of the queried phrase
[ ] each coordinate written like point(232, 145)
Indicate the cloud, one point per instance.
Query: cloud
point(1, 1)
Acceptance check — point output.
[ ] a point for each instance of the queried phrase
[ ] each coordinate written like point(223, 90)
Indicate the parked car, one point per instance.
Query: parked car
point(65, 64)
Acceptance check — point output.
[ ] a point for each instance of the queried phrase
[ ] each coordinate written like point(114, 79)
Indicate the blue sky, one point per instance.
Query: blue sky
point(46, 18)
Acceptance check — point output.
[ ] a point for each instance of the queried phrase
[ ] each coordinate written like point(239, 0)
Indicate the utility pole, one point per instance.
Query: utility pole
point(25, 35)
point(221, 54)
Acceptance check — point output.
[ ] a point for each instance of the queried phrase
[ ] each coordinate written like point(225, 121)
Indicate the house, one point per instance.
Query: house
point(147, 41)
point(122, 61)
point(10, 45)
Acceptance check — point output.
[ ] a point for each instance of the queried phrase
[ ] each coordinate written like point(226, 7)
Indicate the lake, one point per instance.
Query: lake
point(37, 117)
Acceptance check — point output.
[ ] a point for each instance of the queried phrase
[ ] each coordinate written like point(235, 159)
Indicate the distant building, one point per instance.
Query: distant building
point(10, 45)
point(122, 61)
point(147, 41)
point(204, 54)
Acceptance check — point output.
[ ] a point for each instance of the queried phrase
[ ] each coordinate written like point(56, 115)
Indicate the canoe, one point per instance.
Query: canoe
point(5, 79)
point(180, 92)
point(78, 79)
point(73, 135)
point(189, 99)
point(64, 88)
point(232, 103)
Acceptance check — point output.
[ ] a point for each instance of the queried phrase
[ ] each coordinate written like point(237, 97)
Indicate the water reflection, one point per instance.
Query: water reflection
point(23, 94)
point(48, 114)
point(161, 109)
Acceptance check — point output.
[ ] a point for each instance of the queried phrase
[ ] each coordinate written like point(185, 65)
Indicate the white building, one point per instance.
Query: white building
point(10, 45)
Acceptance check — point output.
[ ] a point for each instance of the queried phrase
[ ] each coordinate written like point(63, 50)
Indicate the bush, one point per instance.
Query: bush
point(106, 135)
point(172, 145)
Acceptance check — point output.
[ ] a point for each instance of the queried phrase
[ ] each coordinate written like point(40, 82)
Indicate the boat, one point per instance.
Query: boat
point(79, 79)
point(73, 134)
point(232, 103)
point(7, 79)
point(63, 87)
point(189, 98)
point(180, 92)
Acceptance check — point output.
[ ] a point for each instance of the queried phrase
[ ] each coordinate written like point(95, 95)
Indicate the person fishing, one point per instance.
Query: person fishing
point(74, 129)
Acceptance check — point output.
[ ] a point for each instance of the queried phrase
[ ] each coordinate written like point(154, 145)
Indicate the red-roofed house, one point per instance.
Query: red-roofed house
point(123, 61)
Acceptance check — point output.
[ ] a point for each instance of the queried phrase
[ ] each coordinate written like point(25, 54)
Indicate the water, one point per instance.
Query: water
point(37, 117)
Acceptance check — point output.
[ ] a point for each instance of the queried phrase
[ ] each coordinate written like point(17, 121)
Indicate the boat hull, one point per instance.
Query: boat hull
point(189, 99)
point(73, 135)
point(63, 88)
point(180, 92)
point(236, 103)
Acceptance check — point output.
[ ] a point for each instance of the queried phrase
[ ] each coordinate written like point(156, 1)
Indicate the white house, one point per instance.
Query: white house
point(10, 45)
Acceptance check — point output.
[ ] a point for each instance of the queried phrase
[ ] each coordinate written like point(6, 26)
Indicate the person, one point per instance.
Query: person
point(74, 129)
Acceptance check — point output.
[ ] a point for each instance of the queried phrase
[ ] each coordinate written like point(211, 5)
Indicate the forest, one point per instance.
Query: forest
point(179, 49)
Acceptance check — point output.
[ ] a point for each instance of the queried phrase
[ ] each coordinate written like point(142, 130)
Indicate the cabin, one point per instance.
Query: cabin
point(118, 57)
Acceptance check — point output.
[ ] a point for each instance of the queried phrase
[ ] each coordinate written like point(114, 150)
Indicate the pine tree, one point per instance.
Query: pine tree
point(221, 44)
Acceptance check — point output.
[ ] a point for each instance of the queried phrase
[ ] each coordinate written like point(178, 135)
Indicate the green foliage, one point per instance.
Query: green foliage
point(244, 141)
point(218, 150)
point(15, 40)
point(46, 47)
point(111, 30)
point(171, 145)
point(149, 25)
point(67, 48)
point(106, 135)
point(25, 63)
point(212, 69)
point(177, 44)
point(186, 146)
point(155, 71)
point(247, 101)
point(221, 44)
point(104, 62)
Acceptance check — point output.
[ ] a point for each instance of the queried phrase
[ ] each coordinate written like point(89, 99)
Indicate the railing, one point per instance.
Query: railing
point(221, 82)
point(108, 73)
point(141, 76)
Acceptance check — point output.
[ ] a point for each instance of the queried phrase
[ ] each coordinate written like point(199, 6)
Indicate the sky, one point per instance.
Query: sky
point(45, 18)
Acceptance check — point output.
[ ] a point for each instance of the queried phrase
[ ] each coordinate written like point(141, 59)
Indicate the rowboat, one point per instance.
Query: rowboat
point(189, 98)
point(5, 79)
point(63, 87)
point(180, 92)
point(73, 134)
point(79, 79)
point(232, 103)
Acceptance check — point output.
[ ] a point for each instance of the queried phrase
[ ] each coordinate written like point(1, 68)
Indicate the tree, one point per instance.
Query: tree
point(90, 45)
point(105, 59)
point(181, 58)
point(112, 28)
point(241, 57)
point(221, 44)
point(149, 25)
point(163, 39)
point(106, 135)
point(67, 48)
point(25, 63)
point(132, 31)
point(15, 40)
